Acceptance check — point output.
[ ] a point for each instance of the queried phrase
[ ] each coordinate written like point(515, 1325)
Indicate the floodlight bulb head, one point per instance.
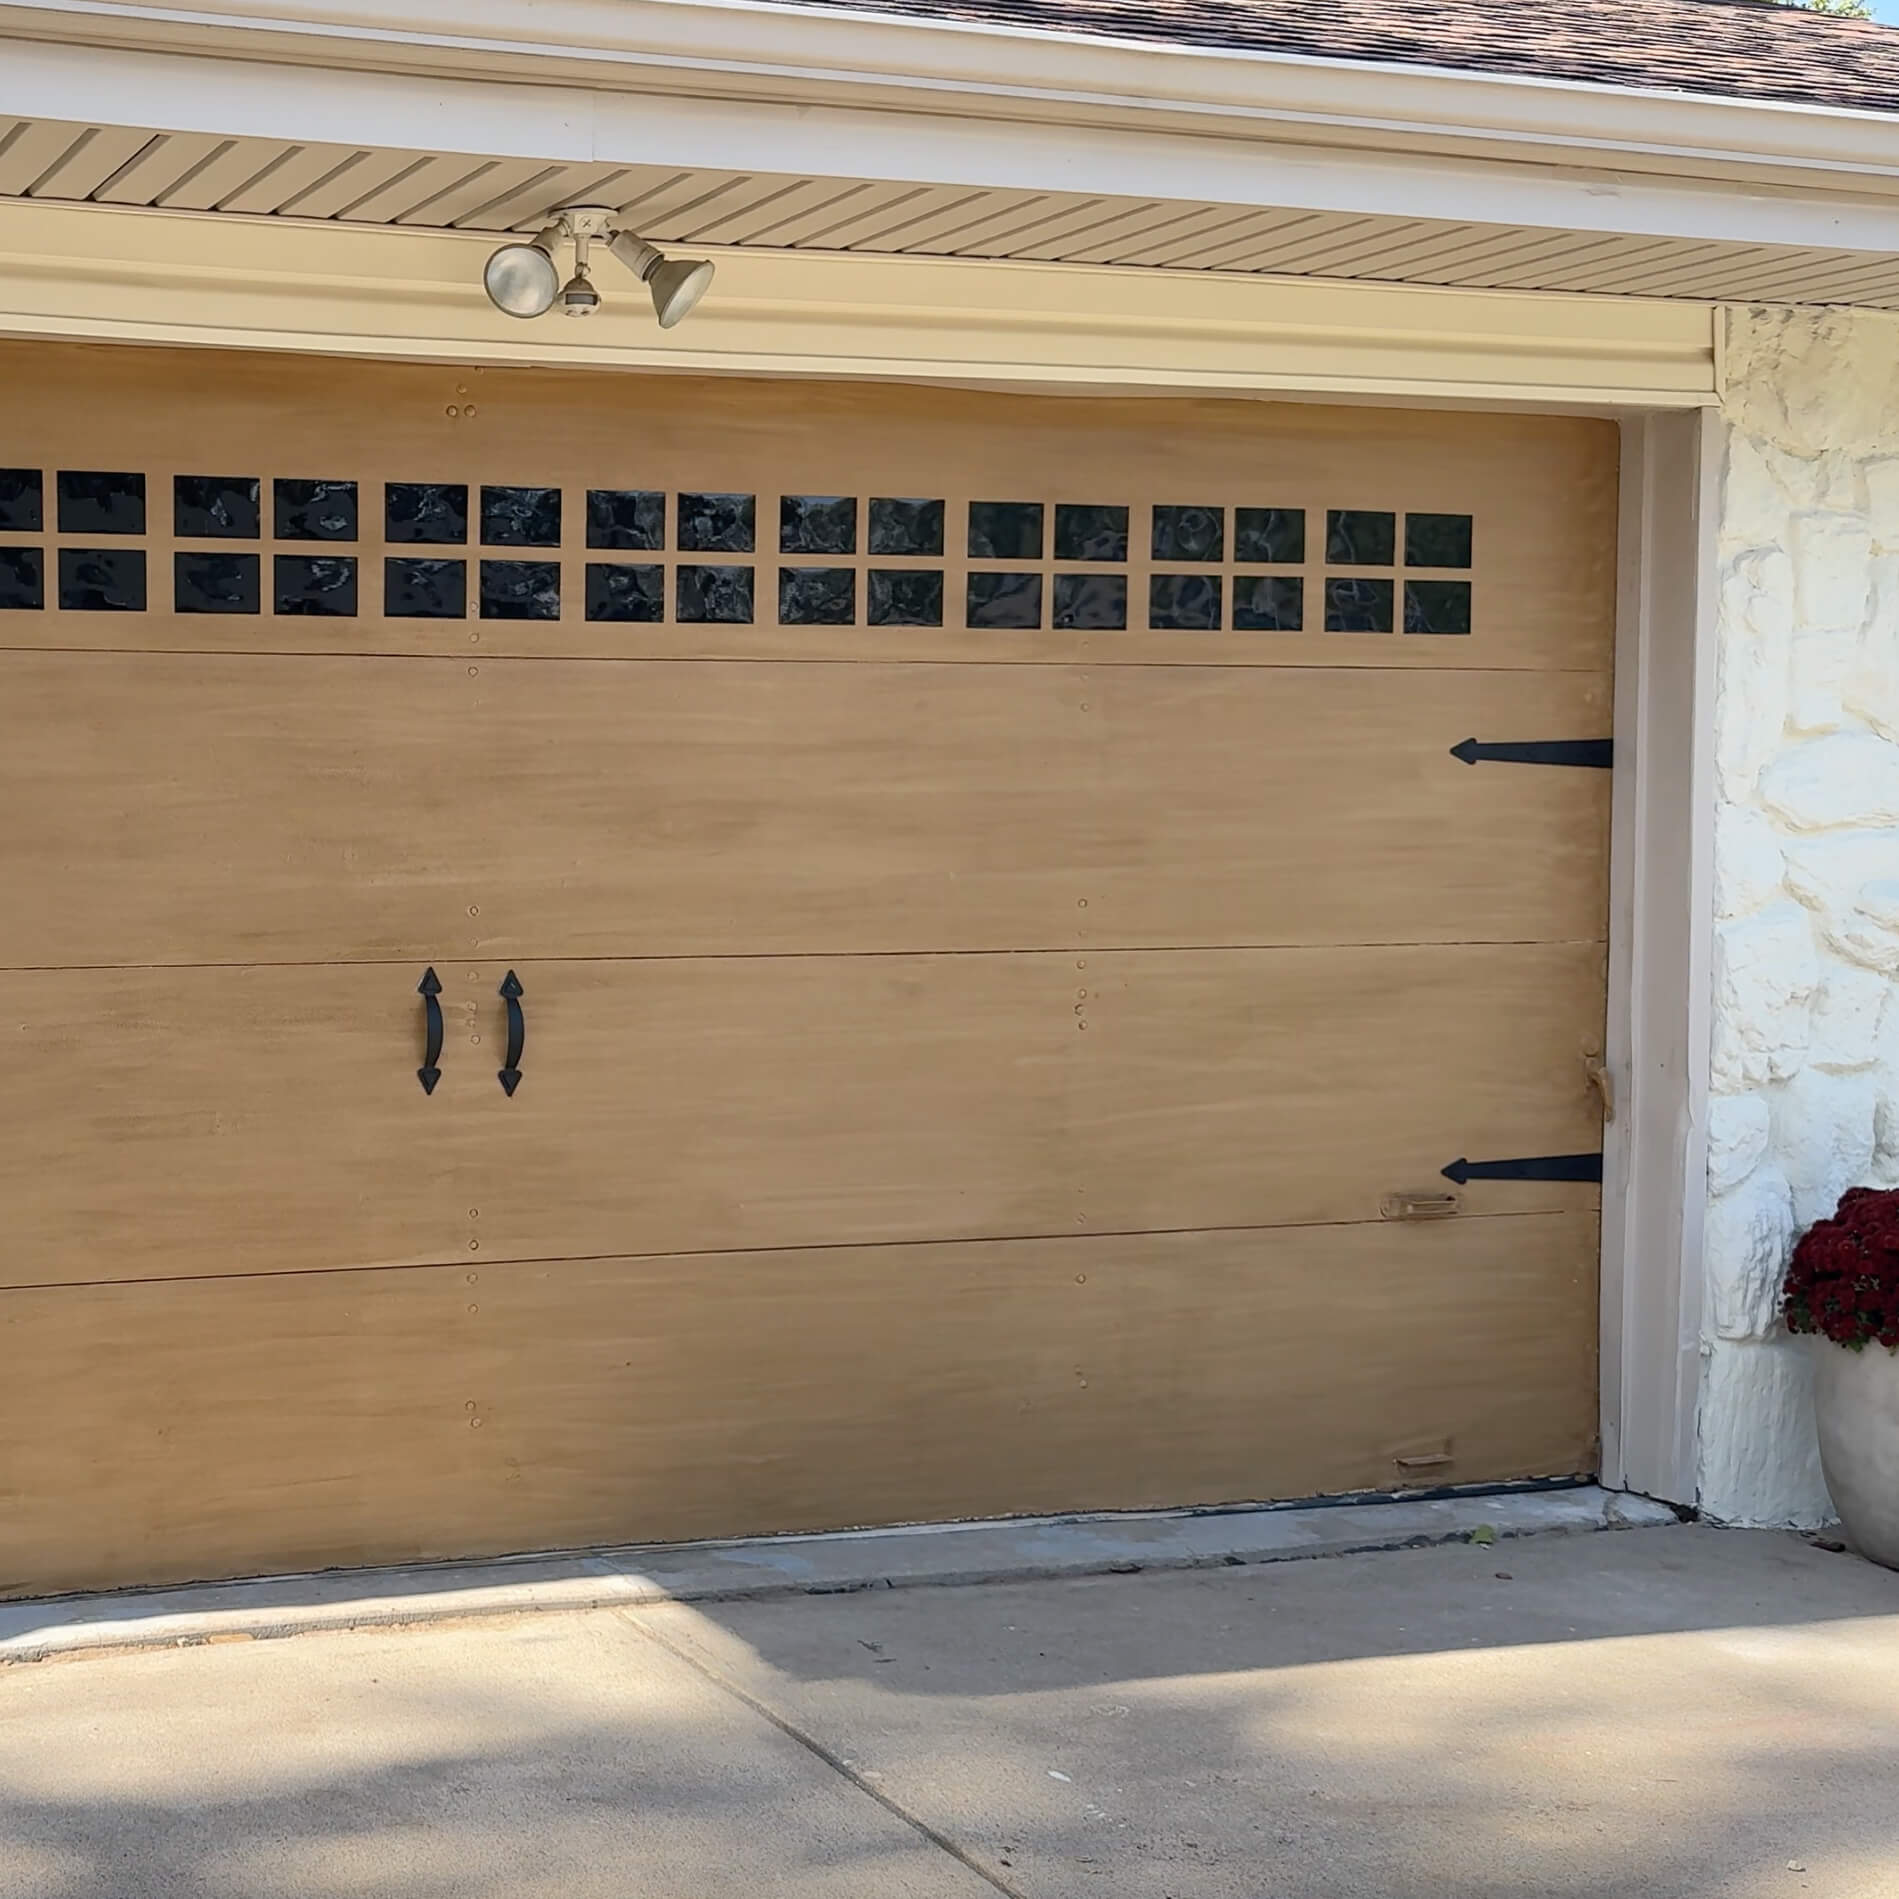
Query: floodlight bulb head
point(677, 287)
point(521, 280)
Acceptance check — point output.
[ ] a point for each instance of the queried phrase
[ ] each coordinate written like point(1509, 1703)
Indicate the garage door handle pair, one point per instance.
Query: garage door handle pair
point(430, 990)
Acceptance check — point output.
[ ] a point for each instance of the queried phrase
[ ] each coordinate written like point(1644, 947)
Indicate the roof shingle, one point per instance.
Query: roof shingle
point(1738, 49)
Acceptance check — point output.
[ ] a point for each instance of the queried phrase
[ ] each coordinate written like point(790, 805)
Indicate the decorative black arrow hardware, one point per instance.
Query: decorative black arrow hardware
point(1596, 752)
point(430, 990)
point(517, 1033)
point(1541, 1167)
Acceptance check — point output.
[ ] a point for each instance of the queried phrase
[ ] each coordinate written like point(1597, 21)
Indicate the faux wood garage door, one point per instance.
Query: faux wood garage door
point(1006, 920)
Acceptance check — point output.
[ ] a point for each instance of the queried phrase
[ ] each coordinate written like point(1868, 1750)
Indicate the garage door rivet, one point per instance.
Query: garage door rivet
point(475, 1041)
point(474, 1424)
point(474, 909)
point(474, 1213)
point(452, 410)
point(469, 412)
point(474, 1309)
point(1081, 903)
point(470, 1405)
point(474, 1246)
point(1081, 1279)
point(1081, 962)
point(474, 1279)
point(461, 389)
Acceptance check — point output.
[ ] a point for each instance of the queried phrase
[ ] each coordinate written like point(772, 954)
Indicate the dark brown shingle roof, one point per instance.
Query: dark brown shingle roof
point(1743, 49)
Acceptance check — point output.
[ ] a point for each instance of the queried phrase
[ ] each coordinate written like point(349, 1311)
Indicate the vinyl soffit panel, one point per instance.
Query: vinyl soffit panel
point(417, 190)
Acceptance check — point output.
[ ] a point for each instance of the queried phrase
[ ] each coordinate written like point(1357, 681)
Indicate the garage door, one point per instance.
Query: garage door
point(608, 958)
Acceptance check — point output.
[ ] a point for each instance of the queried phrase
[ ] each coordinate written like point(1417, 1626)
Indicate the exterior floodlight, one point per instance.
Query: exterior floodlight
point(676, 285)
point(521, 279)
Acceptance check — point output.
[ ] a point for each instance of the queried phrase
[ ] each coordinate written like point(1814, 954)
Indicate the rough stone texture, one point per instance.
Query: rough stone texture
point(1805, 1057)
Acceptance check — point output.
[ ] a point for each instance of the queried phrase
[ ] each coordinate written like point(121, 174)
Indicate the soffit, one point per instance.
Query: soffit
point(63, 162)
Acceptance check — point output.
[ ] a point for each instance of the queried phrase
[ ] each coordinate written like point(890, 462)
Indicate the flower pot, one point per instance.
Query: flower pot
point(1856, 1405)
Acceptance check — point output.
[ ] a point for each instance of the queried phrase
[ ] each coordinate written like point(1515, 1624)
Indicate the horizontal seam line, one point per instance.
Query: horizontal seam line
point(1069, 663)
point(815, 956)
point(468, 1263)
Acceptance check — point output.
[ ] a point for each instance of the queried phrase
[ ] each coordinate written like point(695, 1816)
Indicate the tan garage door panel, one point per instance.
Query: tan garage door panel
point(156, 1432)
point(243, 809)
point(1540, 492)
point(270, 1119)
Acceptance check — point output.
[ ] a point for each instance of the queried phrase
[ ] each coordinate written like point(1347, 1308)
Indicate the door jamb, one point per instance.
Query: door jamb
point(1660, 957)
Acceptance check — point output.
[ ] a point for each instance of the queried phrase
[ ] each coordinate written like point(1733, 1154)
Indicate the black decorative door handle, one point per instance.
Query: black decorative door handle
point(510, 1076)
point(430, 990)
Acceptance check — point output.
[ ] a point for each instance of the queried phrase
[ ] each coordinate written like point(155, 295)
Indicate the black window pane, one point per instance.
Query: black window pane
point(718, 524)
point(905, 526)
point(817, 524)
point(1088, 601)
point(626, 517)
point(414, 588)
point(22, 502)
point(102, 579)
point(1189, 533)
point(1005, 600)
point(721, 595)
point(1184, 603)
point(895, 597)
point(1268, 603)
point(1358, 606)
point(217, 507)
point(520, 517)
point(22, 579)
point(520, 590)
point(1005, 530)
point(817, 596)
point(427, 511)
point(216, 583)
point(1355, 538)
point(101, 503)
point(315, 510)
point(1437, 540)
point(316, 584)
point(1437, 606)
point(619, 590)
point(1089, 533)
point(1269, 536)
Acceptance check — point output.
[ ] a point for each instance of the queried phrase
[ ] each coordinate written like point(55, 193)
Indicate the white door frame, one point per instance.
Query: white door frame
point(1655, 1151)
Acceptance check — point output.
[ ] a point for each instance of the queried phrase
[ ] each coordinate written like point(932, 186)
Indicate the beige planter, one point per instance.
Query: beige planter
point(1856, 1404)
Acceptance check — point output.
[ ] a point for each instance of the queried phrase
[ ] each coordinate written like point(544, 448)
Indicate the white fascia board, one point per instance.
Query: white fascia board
point(229, 97)
point(789, 51)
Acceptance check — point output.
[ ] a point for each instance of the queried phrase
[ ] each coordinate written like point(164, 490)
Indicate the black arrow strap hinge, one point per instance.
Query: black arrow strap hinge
point(1537, 1167)
point(1598, 753)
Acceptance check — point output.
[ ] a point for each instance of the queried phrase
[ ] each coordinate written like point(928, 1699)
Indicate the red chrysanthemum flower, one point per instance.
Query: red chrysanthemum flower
point(1844, 1280)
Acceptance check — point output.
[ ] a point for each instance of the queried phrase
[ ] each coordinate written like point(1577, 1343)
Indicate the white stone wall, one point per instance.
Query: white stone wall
point(1806, 954)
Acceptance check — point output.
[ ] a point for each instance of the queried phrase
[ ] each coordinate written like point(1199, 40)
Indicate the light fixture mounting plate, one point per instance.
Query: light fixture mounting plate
point(585, 220)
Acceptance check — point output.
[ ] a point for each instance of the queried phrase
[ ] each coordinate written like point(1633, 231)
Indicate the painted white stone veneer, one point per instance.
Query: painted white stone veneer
point(1805, 1057)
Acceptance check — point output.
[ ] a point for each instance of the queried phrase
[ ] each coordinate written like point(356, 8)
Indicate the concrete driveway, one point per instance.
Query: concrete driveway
point(1656, 1712)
